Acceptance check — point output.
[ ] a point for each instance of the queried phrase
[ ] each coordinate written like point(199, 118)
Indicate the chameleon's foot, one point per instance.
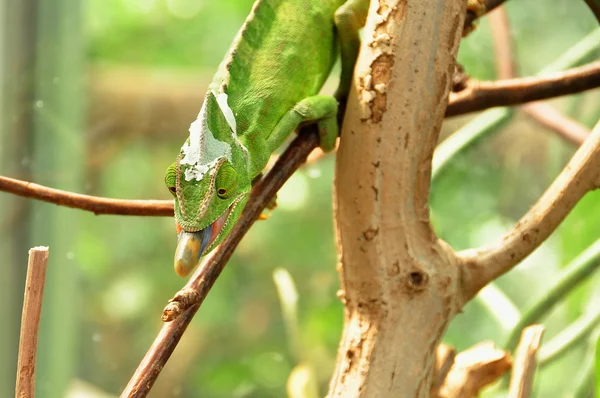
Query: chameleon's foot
point(270, 206)
point(477, 9)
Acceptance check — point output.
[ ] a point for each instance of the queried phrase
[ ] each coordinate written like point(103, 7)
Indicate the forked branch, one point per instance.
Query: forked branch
point(482, 265)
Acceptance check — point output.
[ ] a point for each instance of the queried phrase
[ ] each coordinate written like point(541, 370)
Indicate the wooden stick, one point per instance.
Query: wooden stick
point(30, 321)
point(521, 379)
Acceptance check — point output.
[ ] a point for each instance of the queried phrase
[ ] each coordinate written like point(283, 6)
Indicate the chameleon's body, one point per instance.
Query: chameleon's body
point(266, 86)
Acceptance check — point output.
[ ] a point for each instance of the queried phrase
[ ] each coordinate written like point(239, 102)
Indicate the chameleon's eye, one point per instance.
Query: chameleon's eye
point(171, 178)
point(226, 181)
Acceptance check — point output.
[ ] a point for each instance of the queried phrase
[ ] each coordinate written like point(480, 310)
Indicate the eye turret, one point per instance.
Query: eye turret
point(171, 179)
point(226, 181)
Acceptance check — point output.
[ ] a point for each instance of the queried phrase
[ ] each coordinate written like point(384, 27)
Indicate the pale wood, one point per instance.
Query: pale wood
point(30, 321)
point(399, 282)
point(474, 369)
point(521, 380)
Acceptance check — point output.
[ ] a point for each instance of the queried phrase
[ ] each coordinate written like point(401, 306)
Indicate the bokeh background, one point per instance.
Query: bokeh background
point(96, 98)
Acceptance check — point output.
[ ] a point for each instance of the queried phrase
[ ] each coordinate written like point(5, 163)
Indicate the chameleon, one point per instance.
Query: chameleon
point(267, 85)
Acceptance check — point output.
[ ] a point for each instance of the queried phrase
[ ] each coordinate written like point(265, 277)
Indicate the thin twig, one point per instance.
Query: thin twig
point(549, 117)
point(95, 204)
point(576, 272)
point(521, 380)
point(30, 321)
point(482, 95)
point(205, 276)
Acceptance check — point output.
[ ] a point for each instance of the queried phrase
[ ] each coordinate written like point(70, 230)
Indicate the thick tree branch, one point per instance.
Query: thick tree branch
point(483, 95)
point(95, 204)
point(481, 266)
point(392, 266)
point(203, 279)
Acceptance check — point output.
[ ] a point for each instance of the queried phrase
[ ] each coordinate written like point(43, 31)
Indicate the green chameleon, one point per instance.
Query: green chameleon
point(267, 85)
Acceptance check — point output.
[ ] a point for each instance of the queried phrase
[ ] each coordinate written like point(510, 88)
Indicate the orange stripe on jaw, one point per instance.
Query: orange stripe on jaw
point(178, 228)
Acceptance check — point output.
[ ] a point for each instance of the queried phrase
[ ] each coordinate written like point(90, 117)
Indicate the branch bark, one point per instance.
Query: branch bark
point(391, 264)
point(482, 265)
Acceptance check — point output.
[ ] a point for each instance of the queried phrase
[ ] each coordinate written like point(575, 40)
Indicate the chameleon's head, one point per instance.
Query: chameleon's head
point(209, 181)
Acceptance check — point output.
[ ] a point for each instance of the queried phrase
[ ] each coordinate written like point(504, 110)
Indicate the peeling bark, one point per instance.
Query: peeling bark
point(399, 282)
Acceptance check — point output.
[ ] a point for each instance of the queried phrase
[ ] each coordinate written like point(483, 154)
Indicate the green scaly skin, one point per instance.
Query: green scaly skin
point(267, 85)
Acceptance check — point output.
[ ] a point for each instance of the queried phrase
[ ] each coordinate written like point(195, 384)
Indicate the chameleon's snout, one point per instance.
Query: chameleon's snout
point(190, 246)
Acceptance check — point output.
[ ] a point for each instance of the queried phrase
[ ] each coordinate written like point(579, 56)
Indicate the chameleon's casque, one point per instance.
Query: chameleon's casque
point(267, 85)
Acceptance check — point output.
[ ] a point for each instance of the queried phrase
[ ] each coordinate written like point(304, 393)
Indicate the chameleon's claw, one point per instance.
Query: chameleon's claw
point(264, 216)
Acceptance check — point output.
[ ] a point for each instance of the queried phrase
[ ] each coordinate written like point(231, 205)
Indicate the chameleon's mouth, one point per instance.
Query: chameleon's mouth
point(191, 245)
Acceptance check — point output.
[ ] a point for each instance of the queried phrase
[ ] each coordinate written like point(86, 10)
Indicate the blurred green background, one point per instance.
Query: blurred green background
point(97, 97)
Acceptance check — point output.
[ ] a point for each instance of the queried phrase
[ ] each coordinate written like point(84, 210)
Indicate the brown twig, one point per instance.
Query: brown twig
point(581, 175)
point(95, 204)
point(521, 380)
point(205, 276)
point(30, 321)
point(483, 95)
point(474, 369)
point(549, 117)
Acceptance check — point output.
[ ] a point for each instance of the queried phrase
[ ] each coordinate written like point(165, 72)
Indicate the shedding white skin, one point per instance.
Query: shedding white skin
point(227, 112)
point(202, 151)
